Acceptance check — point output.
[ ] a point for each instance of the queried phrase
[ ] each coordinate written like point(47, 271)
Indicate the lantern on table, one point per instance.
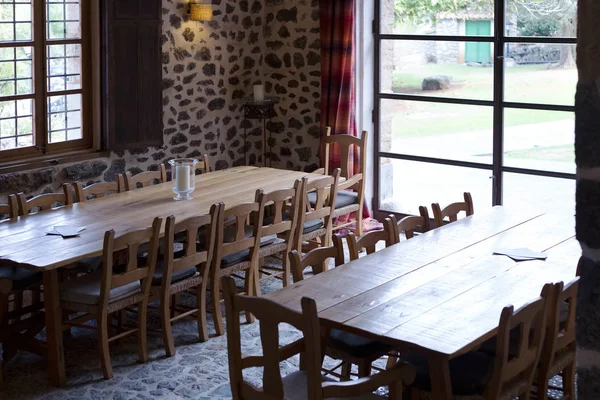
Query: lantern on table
point(183, 171)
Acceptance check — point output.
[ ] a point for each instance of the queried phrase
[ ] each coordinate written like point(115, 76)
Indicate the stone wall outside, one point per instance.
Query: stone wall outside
point(208, 69)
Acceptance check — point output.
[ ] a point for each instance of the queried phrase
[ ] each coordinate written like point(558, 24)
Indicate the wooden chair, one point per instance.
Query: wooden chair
point(144, 179)
point(451, 212)
point(10, 210)
point(369, 241)
point(508, 374)
point(316, 221)
point(347, 347)
point(115, 288)
point(351, 192)
point(203, 166)
point(98, 190)
point(280, 225)
point(184, 271)
point(560, 347)
point(307, 383)
point(409, 225)
point(240, 252)
point(46, 201)
point(19, 324)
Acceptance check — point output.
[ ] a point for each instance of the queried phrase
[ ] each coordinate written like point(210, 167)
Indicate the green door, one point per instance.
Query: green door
point(478, 52)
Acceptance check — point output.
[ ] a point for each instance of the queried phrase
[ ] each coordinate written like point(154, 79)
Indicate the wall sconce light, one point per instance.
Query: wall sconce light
point(200, 11)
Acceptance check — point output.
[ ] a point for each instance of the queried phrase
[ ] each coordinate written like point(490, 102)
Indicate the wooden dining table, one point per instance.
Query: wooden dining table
point(24, 241)
point(441, 293)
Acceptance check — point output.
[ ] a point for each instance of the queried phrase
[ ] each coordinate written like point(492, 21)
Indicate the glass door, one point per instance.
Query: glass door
point(474, 95)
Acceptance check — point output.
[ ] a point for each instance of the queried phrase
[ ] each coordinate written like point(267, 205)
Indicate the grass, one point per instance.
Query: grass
point(534, 84)
point(551, 153)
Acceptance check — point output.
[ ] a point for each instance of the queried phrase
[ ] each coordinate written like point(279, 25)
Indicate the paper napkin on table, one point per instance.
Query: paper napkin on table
point(521, 254)
point(66, 231)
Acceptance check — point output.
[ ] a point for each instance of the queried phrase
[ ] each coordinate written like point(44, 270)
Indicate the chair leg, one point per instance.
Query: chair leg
point(249, 287)
point(18, 303)
point(364, 369)
point(392, 361)
point(569, 381)
point(541, 387)
point(201, 313)
point(165, 321)
point(121, 322)
point(216, 305)
point(346, 370)
point(103, 323)
point(286, 270)
point(174, 302)
point(142, 332)
point(359, 218)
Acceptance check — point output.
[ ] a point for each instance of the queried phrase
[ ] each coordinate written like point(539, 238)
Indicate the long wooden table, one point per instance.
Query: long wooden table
point(24, 241)
point(441, 293)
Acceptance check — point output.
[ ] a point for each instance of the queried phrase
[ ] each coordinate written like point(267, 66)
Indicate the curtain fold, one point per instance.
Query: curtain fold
point(338, 77)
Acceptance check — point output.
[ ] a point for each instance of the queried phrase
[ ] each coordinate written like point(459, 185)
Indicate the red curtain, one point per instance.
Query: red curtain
point(338, 76)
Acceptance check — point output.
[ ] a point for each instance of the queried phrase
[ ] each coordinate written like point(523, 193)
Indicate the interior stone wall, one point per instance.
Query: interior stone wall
point(208, 70)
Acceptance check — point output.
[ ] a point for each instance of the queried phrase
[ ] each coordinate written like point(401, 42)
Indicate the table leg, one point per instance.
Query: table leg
point(54, 338)
point(439, 371)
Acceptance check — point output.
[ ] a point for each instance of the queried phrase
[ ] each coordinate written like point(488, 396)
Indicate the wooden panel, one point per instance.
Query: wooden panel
point(22, 238)
point(133, 75)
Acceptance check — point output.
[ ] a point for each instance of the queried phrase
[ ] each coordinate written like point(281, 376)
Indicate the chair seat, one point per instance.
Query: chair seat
point(343, 199)
point(469, 373)
point(177, 276)
point(312, 226)
point(86, 290)
point(356, 346)
point(235, 258)
point(21, 278)
point(295, 387)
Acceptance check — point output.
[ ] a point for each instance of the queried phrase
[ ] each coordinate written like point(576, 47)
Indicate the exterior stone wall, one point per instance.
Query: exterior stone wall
point(208, 70)
point(447, 52)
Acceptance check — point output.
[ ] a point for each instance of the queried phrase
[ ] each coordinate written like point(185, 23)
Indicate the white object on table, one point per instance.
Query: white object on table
point(259, 92)
point(183, 178)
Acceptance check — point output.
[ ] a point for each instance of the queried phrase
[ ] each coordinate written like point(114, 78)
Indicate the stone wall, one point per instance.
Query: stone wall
point(208, 70)
point(292, 71)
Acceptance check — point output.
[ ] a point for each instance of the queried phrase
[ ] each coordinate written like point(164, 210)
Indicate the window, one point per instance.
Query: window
point(45, 77)
point(475, 92)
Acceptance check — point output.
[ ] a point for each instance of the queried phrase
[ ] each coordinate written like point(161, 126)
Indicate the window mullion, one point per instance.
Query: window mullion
point(39, 38)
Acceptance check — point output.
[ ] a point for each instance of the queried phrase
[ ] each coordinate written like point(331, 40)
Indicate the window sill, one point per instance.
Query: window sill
point(50, 160)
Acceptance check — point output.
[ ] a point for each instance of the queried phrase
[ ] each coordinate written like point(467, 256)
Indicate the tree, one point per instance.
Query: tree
point(562, 11)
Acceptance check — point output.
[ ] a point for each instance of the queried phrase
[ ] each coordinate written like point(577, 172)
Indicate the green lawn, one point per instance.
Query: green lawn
point(551, 153)
point(533, 84)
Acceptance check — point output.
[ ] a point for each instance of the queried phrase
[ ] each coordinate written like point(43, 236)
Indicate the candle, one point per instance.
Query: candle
point(259, 92)
point(182, 173)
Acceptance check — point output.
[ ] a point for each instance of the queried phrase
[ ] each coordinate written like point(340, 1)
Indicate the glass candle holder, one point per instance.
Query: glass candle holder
point(183, 176)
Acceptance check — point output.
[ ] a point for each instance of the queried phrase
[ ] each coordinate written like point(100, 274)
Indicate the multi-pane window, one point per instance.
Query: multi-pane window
point(44, 61)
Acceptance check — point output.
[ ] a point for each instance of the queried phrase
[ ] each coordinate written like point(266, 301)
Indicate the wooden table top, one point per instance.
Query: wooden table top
point(24, 240)
point(443, 291)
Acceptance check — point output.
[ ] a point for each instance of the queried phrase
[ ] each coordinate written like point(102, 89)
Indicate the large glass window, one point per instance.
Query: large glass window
point(44, 70)
point(475, 95)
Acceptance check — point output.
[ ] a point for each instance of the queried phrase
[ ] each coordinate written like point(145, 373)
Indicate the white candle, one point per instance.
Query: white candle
point(183, 178)
point(259, 92)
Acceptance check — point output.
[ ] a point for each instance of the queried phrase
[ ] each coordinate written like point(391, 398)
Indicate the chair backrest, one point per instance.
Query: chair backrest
point(9, 210)
point(98, 190)
point(237, 218)
point(46, 201)
point(129, 243)
point(203, 165)
point(191, 256)
point(530, 322)
point(560, 335)
point(316, 258)
point(347, 145)
point(270, 315)
point(326, 193)
point(451, 211)
point(410, 224)
point(284, 206)
point(144, 179)
point(369, 240)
